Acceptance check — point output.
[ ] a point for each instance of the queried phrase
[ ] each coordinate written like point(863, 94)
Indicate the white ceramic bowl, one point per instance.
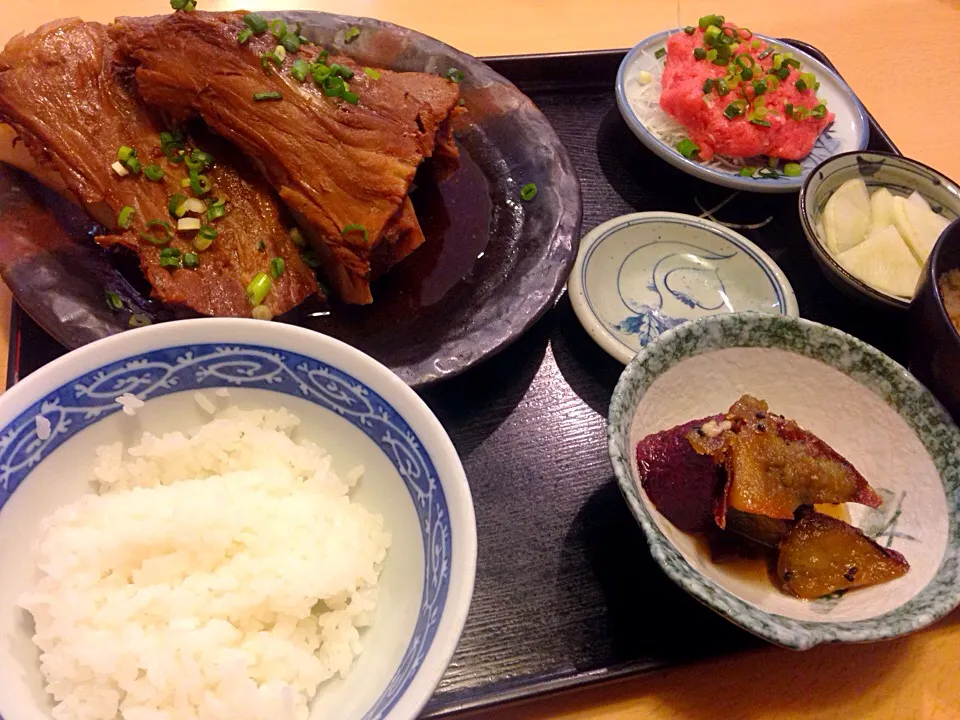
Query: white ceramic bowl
point(348, 402)
point(859, 401)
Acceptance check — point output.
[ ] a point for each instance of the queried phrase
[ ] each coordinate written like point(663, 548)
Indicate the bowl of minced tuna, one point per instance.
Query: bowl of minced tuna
point(227, 518)
point(737, 108)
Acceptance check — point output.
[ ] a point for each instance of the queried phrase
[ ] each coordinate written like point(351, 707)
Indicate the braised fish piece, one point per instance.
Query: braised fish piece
point(342, 152)
point(823, 554)
point(74, 106)
point(774, 466)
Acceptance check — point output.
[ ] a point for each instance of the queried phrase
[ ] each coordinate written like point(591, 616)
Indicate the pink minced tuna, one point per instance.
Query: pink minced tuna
point(702, 114)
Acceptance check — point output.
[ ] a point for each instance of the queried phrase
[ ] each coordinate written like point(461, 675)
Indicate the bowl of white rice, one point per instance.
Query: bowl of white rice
point(226, 519)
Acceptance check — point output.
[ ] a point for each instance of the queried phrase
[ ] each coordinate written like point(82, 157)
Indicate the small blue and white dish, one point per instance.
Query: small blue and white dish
point(849, 131)
point(860, 402)
point(344, 399)
point(638, 275)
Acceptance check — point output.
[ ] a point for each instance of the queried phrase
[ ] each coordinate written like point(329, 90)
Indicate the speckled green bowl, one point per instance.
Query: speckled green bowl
point(858, 400)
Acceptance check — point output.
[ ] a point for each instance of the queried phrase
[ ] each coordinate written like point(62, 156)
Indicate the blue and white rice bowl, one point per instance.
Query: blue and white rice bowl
point(346, 401)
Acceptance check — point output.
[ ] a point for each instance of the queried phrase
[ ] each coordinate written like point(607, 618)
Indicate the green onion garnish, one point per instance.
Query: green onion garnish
point(201, 243)
point(806, 82)
point(276, 267)
point(208, 232)
point(708, 20)
point(528, 192)
point(722, 87)
point(199, 160)
point(255, 22)
point(113, 300)
point(688, 148)
point(766, 172)
point(746, 74)
point(759, 87)
point(170, 252)
point(310, 259)
point(320, 73)
point(711, 34)
point(755, 45)
point(296, 237)
point(352, 34)
point(264, 96)
point(244, 35)
point(735, 109)
point(270, 57)
point(350, 97)
point(689, 29)
point(299, 69)
point(341, 70)
point(792, 62)
point(699, 53)
point(454, 75)
point(258, 288)
point(745, 61)
point(176, 200)
point(170, 262)
point(747, 171)
point(191, 260)
point(819, 111)
point(153, 172)
point(792, 169)
point(707, 85)
point(290, 43)
point(185, 5)
point(355, 229)
point(333, 86)
point(278, 28)
point(783, 73)
point(139, 320)
point(133, 164)
point(125, 217)
point(164, 235)
point(200, 184)
point(758, 121)
point(217, 210)
point(371, 73)
point(125, 153)
point(660, 53)
point(711, 55)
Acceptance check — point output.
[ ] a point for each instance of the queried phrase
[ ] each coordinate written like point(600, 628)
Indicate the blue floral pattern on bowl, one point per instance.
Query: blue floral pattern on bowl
point(83, 401)
point(667, 268)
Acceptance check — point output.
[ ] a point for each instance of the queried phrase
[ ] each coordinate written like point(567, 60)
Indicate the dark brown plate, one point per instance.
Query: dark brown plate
point(492, 264)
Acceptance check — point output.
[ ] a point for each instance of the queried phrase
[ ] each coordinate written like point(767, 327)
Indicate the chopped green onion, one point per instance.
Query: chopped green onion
point(454, 75)
point(217, 210)
point(688, 148)
point(699, 53)
point(201, 243)
point(461, 102)
point(299, 69)
point(371, 73)
point(180, 4)
point(747, 171)
point(759, 121)
point(806, 82)
point(310, 258)
point(722, 87)
point(333, 86)
point(270, 57)
point(755, 45)
point(125, 218)
point(708, 20)
point(745, 33)
point(163, 237)
point(170, 252)
point(296, 237)
point(175, 201)
point(759, 87)
point(528, 192)
point(355, 229)
point(793, 169)
point(258, 288)
point(745, 61)
point(711, 55)
point(766, 172)
point(199, 160)
point(191, 260)
point(707, 85)
point(200, 184)
point(133, 164)
point(341, 70)
point(208, 232)
point(170, 262)
point(153, 172)
point(819, 111)
point(278, 28)
point(711, 35)
point(350, 97)
point(783, 73)
point(244, 35)
point(113, 300)
point(735, 109)
point(265, 96)
point(290, 43)
point(276, 267)
point(689, 29)
point(660, 53)
point(125, 153)
point(746, 74)
point(255, 22)
point(777, 61)
point(791, 62)
point(352, 34)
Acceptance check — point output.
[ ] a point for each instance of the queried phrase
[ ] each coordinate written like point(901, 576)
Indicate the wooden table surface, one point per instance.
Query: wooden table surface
point(902, 58)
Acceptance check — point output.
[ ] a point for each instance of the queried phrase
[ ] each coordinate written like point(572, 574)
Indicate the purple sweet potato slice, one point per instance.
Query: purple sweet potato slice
point(774, 466)
point(823, 554)
point(681, 483)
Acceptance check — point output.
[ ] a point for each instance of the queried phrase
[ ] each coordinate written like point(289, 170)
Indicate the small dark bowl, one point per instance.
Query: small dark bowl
point(934, 341)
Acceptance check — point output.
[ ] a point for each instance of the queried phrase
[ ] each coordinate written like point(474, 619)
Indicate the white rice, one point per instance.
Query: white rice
point(222, 574)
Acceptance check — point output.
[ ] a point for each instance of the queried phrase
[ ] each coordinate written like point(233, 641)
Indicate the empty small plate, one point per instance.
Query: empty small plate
point(641, 274)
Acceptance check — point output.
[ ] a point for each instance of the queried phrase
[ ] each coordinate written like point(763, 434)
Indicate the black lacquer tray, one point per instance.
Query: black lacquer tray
point(566, 592)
